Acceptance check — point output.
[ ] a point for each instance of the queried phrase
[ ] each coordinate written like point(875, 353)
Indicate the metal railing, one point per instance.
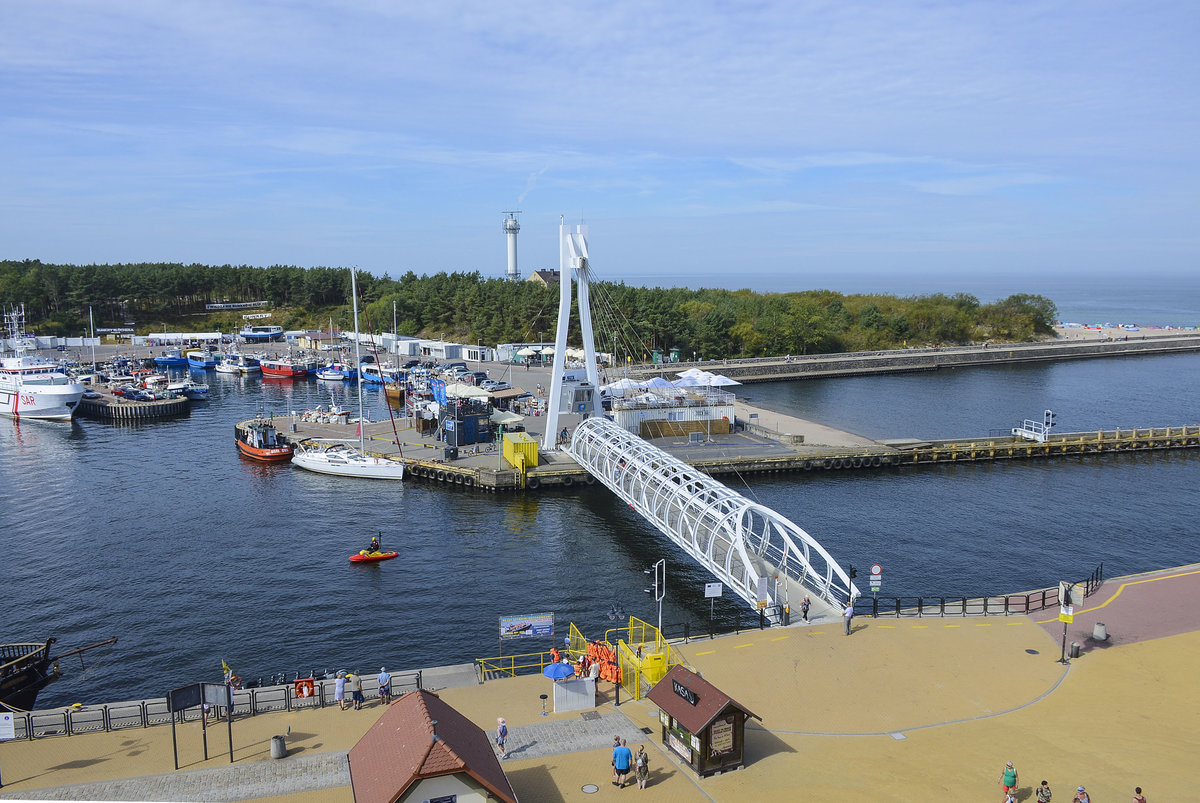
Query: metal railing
point(525, 663)
point(145, 713)
point(1006, 605)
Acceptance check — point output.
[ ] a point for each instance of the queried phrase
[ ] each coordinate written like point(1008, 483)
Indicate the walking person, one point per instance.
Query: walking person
point(339, 689)
point(1043, 793)
point(804, 606)
point(501, 736)
point(1081, 796)
point(641, 766)
point(1138, 797)
point(1008, 778)
point(385, 686)
point(356, 693)
point(848, 615)
point(616, 744)
point(622, 759)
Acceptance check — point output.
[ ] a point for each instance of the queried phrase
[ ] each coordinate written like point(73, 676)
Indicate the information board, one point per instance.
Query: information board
point(8, 728)
point(527, 626)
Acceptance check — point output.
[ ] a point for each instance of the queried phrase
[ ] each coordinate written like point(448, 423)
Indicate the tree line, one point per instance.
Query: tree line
point(467, 307)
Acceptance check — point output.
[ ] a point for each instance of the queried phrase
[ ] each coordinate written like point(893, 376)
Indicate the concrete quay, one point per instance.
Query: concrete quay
point(900, 710)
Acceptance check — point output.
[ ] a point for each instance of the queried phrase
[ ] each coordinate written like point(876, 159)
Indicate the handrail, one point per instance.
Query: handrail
point(144, 713)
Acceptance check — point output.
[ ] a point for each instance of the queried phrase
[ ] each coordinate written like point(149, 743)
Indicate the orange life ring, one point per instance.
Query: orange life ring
point(305, 687)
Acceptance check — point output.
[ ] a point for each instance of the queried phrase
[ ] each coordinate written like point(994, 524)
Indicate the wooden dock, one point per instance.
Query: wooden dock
point(114, 408)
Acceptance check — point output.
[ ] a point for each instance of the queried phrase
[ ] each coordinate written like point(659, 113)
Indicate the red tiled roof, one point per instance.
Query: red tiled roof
point(399, 750)
point(710, 701)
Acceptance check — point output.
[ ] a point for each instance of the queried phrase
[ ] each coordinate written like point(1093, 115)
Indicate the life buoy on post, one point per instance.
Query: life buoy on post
point(305, 687)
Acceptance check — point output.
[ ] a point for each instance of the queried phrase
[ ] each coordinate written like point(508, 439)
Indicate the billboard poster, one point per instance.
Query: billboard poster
point(529, 625)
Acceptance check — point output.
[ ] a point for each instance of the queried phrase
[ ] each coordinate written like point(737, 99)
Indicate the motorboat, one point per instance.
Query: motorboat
point(30, 385)
point(376, 374)
point(259, 440)
point(201, 360)
point(261, 334)
point(336, 372)
point(237, 363)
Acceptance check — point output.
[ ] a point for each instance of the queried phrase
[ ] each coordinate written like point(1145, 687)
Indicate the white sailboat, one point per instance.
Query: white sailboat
point(326, 456)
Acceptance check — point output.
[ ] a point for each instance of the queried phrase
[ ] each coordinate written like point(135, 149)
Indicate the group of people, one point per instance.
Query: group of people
point(354, 680)
point(1042, 794)
point(624, 759)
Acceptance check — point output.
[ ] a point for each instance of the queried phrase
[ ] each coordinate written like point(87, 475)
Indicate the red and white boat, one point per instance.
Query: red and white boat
point(285, 367)
point(258, 440)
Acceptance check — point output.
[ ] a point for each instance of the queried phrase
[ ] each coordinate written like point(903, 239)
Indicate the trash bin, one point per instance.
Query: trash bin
point(278, 747)
point(451, 452)
point(1074, 651)
point(1099, 632)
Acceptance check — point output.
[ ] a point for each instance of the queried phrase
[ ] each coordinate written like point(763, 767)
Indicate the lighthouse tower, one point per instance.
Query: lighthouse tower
point(511, 227)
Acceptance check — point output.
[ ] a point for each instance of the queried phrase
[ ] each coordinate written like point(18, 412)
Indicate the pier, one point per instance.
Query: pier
point(109, 407)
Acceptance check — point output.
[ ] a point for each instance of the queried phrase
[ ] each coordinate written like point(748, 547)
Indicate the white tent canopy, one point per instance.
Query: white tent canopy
point(505, 419)
point(461, 391)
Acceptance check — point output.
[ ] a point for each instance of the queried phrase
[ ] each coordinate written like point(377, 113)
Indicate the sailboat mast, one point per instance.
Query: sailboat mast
point(357, 363)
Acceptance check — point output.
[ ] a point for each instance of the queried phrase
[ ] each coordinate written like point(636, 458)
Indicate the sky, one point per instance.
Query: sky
point(773, 145)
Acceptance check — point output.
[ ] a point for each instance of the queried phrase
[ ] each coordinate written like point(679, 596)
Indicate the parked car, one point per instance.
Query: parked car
point(493, 385)
point(411, 364)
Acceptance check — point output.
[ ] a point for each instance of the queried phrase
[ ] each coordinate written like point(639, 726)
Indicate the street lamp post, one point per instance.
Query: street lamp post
point(659, 588)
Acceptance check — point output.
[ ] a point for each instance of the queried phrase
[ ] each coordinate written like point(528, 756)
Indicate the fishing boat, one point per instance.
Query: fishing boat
point(170, 357)
point(380, 374)
point(259, 440)
point(25, 669)
point(284, 367)
point(235, 362)
point(201, 360)
point(261, 334)
point(30, 385)
point(195, 390)
point(327, 456)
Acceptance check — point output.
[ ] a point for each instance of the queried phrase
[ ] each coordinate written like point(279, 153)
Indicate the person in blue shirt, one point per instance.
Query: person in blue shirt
point(622, 761)
point(385, 686)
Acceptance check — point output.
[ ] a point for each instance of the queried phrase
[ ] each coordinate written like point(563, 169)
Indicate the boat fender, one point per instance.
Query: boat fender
point(590, 480)
point(568, 482)
point(808, 465)
point(837, 463)
point(469, 481)
point(828, 463)
point(441, 476)
point(458, 479)
point(532, 482)
point(875, 461)
point(858, 462)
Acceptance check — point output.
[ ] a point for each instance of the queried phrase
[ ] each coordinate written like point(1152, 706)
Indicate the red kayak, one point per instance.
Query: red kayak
point(372, 557)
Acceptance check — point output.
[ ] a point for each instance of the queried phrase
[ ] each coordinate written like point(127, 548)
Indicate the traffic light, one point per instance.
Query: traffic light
point(1049, 419)
point(853, 573)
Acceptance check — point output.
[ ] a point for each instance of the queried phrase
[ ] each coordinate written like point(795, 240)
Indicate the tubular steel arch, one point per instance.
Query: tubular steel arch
point(737, 540)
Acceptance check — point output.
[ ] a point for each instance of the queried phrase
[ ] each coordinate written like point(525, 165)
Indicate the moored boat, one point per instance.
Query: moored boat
point(237, 363)
point(32, 386)
point(336, 372)
point(259, 440)
point(337, 457)
point(285, 367)
point(170, 357)
point(201, 359)
point(24, 670)
point(261, 334)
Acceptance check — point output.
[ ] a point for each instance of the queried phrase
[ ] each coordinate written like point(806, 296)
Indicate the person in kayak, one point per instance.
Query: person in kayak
point(374, 547)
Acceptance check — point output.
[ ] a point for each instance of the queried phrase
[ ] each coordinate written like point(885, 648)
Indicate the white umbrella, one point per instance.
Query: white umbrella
point(548, 350)
point(689, 382)
point(694, 372)
point(659, 382)
point(720, 381)
point(526, 352)
point(461, 391)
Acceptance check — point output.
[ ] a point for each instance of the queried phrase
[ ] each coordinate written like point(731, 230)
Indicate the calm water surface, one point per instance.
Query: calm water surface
point(160, 534)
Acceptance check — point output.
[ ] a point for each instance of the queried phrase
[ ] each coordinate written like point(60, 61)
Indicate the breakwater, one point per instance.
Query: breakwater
point(900, 361)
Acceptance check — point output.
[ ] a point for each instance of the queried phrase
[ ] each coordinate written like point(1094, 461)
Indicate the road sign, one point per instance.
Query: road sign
point(1066, 614)
point(712, 590)
point(876, 570)
point(876, 577)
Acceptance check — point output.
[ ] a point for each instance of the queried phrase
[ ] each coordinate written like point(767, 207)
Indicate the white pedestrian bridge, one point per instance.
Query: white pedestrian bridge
point(759, 554)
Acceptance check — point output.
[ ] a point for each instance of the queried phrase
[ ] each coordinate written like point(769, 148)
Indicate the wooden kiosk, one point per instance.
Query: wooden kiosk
point(701, 724)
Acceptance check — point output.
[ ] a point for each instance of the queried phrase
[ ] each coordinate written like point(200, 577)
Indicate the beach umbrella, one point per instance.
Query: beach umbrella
point(688, 382)
point(526, 352)
point(659, 382)
point(559, 671)
point(720, 381)
point(694, 372)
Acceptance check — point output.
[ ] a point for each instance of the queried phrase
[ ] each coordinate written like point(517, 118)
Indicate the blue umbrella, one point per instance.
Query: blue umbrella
point(559, 671)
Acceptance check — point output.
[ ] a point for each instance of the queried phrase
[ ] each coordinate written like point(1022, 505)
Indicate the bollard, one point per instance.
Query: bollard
point(278, 747)
point(1074, 653)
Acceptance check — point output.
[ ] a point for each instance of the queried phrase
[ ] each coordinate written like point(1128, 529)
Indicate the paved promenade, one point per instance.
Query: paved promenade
point(901, 710)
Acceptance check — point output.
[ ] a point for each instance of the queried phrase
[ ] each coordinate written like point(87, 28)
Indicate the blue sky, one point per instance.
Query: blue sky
point(733, 144)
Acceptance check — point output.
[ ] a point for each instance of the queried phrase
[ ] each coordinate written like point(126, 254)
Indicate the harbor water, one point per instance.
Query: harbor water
point(159, 533)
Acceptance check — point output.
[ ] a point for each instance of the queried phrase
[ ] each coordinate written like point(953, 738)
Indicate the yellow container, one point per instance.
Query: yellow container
point(520, 443)
point(654, 666)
